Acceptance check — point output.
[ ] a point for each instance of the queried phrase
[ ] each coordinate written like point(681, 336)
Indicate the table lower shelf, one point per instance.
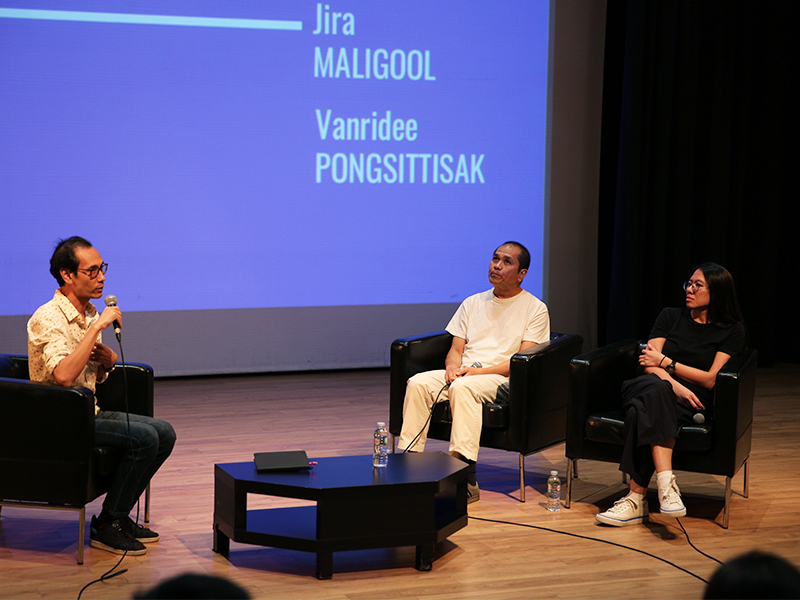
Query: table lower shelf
point(295, 529)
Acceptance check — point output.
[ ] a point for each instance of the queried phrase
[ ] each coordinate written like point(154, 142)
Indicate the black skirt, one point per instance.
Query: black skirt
point(653, 413)
point(655, 405)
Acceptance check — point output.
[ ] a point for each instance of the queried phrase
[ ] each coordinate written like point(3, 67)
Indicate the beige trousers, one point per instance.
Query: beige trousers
point(466, 395)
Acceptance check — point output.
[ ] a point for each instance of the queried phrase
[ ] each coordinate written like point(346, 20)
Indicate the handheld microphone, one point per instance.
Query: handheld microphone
point(111, 300)
point(699, 418)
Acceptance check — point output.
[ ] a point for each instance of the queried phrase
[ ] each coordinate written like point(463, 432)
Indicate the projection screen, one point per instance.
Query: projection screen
point(276, 185)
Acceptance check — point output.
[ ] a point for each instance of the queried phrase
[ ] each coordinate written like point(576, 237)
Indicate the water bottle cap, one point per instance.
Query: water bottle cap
point(381, 424)
point(553, 472)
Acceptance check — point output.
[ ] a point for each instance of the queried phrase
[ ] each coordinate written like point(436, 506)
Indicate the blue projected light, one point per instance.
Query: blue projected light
point(95, 17)
point(272, 154)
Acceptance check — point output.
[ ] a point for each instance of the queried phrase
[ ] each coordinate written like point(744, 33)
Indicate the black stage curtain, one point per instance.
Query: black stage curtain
point(697, 162)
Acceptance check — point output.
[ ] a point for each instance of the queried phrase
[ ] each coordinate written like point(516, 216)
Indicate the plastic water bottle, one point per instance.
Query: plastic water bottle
point(554, 492)
point(380, 449)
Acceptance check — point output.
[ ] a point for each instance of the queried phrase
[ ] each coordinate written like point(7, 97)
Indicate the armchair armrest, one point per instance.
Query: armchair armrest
point(538, 392)
point(139, 380)
point(409, 356)
point(596, 377)
point(46, 441)
point(734, 393)
point(595, 381)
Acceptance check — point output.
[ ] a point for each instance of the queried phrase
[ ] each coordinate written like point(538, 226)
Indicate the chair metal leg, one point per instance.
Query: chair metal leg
point(568, 483)
point(746, 491)
point(147, 506)
point(81, 534)
point(727, 509)
point(726, 512)
point(571, 469)
point(624, 478)
point(575, 469)
point(394, 437)
point(522, 478)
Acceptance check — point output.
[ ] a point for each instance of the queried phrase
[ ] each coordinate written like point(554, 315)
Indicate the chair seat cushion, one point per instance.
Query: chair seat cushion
point(495, 416)
point(609, 428)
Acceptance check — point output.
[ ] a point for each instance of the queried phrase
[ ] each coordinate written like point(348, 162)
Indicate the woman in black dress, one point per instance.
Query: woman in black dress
point(686, 349)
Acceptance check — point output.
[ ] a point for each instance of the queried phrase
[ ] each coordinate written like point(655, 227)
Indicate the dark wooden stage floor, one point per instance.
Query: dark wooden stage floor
point(333, 414)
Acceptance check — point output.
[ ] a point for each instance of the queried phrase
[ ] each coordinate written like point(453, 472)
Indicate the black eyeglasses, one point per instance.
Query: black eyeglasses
point(695, 285)
point(95, 271)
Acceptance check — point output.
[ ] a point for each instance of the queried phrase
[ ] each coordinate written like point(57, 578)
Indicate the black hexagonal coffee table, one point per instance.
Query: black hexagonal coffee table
point(419, 499)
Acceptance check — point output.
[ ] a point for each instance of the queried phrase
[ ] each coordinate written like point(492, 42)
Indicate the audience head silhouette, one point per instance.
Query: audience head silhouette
point(193, 585)
point(755, 575)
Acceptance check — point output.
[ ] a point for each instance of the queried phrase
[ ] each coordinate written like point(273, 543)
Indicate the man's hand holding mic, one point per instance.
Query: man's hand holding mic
point(450, 374)
point(453, 373)
point(112, 315)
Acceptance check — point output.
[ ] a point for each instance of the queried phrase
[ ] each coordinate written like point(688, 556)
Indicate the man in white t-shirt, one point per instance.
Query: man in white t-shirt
point(488, 329)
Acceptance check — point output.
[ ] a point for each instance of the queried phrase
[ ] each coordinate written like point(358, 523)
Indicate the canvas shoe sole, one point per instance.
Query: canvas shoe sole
point(626, 511)
point(113, 538)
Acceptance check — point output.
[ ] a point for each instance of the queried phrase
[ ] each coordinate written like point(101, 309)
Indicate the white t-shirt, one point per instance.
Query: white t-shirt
point(495, 327)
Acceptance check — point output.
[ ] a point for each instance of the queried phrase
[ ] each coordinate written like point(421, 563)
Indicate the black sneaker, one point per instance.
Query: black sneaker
point(111, 537)
point(473, 493)
point(138, 532)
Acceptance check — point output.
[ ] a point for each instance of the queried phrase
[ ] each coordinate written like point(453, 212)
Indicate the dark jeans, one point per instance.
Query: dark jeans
point(143, 451)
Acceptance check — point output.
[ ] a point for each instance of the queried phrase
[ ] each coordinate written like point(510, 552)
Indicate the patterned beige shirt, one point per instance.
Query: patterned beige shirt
point(54, 331)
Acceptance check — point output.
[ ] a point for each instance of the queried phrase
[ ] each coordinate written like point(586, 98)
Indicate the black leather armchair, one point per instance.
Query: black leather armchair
point(48, 458)
point(534, 416)
point(720, 446)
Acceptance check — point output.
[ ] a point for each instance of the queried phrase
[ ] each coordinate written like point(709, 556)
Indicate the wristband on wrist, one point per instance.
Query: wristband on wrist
point(662, 360)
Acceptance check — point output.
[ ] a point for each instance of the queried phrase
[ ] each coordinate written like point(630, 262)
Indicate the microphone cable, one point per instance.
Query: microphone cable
point(105, 576)
point(110, 574)
point(428, 420)
point(475, 365)
point(623, 546)
point(686, 533)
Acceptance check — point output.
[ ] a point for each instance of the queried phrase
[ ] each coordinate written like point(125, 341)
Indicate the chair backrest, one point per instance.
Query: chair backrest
point(13, 366)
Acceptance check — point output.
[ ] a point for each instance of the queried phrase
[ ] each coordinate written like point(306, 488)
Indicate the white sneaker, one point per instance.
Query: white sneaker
point(670, 500)
point(626, 511)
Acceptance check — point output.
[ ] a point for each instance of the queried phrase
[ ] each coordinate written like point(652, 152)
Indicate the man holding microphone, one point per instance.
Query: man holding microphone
point(65, 348)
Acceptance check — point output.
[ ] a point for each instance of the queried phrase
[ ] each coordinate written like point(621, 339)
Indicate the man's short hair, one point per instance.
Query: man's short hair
point(64, 256)
point(524, 255)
